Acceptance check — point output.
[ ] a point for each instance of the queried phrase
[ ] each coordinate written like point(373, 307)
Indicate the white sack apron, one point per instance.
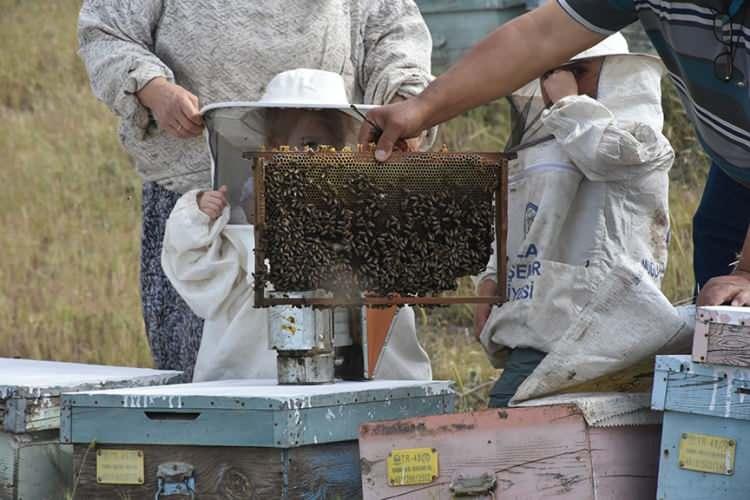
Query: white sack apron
point(543, 292)
point(591, 318)
point(587, 231)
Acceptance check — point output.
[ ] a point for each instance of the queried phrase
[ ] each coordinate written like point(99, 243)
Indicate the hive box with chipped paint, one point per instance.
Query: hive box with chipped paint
point(705, 447)
point(234, 439)
point(33, 464)
point(553, 451)
point(722, 336)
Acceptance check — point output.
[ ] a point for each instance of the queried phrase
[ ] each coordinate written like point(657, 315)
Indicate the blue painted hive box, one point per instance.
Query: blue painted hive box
point(705, 445)
point(234, 439)
point(457, 25)
point(33, 463)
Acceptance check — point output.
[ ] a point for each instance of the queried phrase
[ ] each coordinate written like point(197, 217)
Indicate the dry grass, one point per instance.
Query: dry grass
point(70, 210)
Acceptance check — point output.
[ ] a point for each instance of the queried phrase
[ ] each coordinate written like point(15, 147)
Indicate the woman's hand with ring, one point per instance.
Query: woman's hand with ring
point(175, 108)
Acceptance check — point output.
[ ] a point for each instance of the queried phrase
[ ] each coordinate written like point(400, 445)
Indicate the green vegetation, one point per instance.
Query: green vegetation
point(71, 210)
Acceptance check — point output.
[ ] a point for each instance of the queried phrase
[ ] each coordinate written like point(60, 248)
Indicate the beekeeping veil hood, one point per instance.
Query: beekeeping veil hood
point(233, 128)
point(628, 86)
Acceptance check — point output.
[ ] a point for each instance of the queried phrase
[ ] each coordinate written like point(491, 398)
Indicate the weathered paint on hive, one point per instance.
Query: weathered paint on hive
point(216, 414)
point(688, 387)
point(676, 483)
point(722, 336)
point(533, 453)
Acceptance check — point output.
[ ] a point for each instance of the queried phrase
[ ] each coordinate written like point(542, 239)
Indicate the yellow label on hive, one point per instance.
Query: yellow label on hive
point(412, 466)
point(704, 453)
point(119, 467)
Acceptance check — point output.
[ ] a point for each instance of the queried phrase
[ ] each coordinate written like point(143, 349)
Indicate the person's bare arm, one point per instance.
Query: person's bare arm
point(511, 56)
point(733, 289)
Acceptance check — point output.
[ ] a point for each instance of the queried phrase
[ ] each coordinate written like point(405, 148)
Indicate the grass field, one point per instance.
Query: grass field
point(70, 210)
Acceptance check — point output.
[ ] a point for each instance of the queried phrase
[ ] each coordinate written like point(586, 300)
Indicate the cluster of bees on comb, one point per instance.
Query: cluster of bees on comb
point(359, 235)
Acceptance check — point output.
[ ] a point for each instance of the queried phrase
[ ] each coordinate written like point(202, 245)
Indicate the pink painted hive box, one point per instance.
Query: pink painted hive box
point(576, 447)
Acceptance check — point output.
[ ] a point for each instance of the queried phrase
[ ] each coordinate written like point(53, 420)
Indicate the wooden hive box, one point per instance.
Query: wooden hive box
point(722, 336)
point(705, 447)
point(243, 439)
point(33, 463)
point(557, 450)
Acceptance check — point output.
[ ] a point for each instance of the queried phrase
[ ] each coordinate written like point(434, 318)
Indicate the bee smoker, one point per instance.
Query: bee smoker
point(304, 340)
point(316, 346)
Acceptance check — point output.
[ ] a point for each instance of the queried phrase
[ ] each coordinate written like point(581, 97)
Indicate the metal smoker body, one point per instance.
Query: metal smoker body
point(305, 340)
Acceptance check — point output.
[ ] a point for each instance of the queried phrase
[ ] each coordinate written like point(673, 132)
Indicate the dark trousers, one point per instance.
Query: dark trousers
point(519, 365)
point(719, 226)
point(174, 331)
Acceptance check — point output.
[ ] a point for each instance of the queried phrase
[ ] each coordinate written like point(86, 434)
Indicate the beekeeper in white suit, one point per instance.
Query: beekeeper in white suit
point(588, 227)
point(210, 261)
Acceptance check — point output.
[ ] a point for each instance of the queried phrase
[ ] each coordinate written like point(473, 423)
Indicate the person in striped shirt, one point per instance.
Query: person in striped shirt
point(704, 45)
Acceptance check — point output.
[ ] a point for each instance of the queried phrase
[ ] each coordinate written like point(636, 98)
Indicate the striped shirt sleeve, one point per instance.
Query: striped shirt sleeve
point(601, 16)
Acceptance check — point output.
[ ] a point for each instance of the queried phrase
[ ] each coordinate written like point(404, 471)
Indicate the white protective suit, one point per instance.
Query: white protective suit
point(588, 232)
point(211, 264)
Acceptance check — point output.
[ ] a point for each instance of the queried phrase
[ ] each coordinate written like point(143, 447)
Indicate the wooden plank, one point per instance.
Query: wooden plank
point(8, 457)
point(45, 470)
point(221, 473)
point(625, 461)
point(534, 453)
point(722, 336)
point(728, 345)
point(676, 483)
point(716, 391)
point(636, 378)
point(34, 466)
point(323, 472)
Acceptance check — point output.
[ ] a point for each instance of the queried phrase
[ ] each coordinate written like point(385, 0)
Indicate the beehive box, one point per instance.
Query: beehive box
point(581, 449)
point(234, 439)
point(457, 25)
point(33, 464)
point(722, 336)
point(705, 447)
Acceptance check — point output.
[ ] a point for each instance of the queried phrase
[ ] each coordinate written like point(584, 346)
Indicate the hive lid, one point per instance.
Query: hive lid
point(727, 315)
point(26, 378)
point(260, 394)
point(30, 390)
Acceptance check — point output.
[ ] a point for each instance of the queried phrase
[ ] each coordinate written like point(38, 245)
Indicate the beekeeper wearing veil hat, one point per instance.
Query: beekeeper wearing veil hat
point(208, 243)
point(588, 227)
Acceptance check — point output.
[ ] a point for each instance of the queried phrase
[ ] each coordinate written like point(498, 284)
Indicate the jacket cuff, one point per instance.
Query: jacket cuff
point(129, 106)
point(192, 211)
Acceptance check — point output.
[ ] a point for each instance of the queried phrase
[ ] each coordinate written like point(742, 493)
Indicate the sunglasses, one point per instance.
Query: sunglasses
point(724, 34)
